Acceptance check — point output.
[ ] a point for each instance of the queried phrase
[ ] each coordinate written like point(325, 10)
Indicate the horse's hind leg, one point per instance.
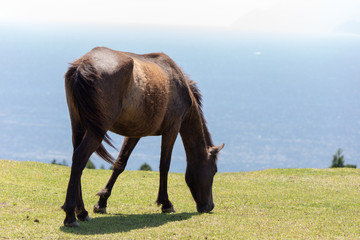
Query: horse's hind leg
point(119, 166)
point(73, 200)
point(77, 135)
point(167, 144)
point(80, 210)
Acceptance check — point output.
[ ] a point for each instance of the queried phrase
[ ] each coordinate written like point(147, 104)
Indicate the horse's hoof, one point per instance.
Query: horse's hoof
point(73, 224)
point(99, 210)
point(85, 219)
point(168, 210)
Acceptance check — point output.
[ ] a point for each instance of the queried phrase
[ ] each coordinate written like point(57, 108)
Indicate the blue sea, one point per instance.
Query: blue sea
point(275, 101)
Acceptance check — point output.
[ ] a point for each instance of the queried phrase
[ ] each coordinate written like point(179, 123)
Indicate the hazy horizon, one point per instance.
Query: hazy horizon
point(261, 16)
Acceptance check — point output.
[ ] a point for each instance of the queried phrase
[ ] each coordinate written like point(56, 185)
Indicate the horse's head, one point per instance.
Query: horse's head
point(199, 177)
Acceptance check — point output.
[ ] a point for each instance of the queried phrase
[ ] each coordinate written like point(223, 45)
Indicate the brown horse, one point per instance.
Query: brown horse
point(135, 96)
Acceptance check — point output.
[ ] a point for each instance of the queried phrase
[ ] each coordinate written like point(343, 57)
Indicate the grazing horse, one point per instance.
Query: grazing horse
point(135, 96)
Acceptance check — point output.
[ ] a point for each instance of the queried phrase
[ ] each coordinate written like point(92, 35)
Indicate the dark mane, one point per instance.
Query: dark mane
point(197, 94)
point(198, 97)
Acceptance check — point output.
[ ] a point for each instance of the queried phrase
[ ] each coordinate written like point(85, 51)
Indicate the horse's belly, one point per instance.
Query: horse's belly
point(140, 120)
point(136, 128)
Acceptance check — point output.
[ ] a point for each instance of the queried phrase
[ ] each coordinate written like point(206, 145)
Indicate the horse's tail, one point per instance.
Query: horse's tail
point(83, 96)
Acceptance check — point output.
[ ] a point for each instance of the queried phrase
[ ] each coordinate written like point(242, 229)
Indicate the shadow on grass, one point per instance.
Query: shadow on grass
point(116, 223)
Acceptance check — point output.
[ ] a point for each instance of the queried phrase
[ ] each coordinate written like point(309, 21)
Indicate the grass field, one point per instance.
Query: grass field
point(270, 204)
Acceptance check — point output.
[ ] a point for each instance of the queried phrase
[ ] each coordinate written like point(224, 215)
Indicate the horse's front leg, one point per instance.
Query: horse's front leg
point(74, 196)
point(167, 144)
point(119, 166)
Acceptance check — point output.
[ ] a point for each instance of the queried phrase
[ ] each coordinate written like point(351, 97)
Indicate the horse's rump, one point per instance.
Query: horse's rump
point(82, 96)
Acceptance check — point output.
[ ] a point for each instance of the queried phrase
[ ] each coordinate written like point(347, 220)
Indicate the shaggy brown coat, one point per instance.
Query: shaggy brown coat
point(135, 96)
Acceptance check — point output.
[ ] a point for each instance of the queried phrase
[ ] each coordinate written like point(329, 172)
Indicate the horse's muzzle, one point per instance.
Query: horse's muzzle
point(205, 208)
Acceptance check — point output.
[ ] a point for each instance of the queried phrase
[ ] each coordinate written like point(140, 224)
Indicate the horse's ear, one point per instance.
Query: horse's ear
point(216, 149)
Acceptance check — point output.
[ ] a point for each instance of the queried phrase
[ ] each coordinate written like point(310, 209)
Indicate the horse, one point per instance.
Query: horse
point(135, 96)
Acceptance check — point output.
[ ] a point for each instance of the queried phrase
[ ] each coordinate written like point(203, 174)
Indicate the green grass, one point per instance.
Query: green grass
point(270, 204)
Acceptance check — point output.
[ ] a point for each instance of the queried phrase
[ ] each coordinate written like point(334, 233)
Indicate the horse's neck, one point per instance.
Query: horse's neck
point(195, 135)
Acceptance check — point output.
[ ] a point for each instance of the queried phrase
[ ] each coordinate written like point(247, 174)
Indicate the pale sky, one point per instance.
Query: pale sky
point(303, 16)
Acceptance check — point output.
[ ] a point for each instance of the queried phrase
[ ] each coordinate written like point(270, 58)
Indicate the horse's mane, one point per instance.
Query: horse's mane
point(196, 92)
point(198, 97)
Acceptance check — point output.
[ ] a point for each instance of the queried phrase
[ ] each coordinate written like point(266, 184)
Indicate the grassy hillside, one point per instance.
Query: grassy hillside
point(278, 203)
